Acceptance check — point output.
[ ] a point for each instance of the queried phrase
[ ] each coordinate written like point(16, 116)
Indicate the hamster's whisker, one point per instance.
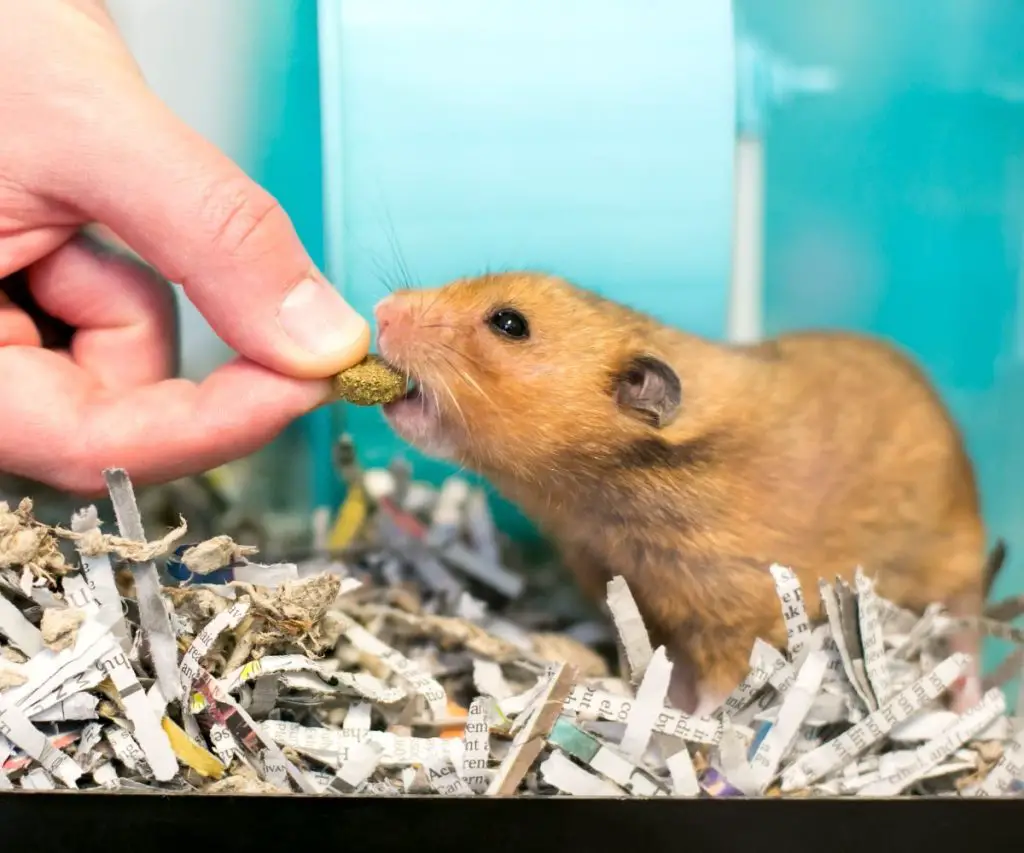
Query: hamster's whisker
point(447, 388)
point(382, 274)
point(405, 273)
point(465, 377)
point(425, 311)
point(455, 403)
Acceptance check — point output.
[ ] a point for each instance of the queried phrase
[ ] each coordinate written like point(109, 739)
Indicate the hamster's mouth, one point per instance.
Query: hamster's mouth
point(416, 418)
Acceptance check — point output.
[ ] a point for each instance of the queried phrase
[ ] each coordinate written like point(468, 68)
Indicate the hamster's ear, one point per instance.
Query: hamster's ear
point(648, 388)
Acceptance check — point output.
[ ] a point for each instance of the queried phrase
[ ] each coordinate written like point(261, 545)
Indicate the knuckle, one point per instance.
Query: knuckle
point(237, 213)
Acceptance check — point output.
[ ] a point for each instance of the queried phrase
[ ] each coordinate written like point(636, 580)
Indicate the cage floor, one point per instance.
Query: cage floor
point(81, 823)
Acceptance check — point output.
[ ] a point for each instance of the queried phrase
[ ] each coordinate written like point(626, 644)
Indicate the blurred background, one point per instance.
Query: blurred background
point(736, 168)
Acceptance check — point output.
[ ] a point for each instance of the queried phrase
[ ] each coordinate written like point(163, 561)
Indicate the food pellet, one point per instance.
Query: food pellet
point(372, 382)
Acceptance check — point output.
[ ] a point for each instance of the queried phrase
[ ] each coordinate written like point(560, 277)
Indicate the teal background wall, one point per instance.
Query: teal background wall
point(593, 140)
point(895, 204)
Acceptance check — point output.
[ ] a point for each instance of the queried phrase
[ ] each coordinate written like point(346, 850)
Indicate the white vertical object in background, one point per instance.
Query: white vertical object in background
point(745, 324)
point(197, 56)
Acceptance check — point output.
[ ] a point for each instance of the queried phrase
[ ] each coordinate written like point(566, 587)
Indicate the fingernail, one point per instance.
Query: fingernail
point(315, 316)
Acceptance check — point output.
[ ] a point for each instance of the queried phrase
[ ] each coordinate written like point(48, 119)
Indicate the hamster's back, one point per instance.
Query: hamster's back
point(860, 429)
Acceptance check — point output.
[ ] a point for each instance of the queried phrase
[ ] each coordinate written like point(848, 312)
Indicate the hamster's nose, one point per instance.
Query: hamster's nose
point(393, 320)
point(384, 313)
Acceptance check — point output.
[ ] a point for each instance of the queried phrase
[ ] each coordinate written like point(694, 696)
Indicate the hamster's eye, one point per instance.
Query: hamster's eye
point(510, 323)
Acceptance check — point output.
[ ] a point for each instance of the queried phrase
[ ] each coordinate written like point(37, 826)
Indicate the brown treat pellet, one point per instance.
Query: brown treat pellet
point(372, 382)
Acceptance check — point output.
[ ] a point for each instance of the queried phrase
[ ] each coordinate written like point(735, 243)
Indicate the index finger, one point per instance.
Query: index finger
point(195, 215)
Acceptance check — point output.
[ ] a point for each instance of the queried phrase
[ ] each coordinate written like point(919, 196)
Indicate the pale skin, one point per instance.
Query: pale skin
point(85, 142)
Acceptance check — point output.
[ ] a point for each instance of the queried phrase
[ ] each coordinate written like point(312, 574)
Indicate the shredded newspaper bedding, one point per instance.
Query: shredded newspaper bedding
point(164, 666)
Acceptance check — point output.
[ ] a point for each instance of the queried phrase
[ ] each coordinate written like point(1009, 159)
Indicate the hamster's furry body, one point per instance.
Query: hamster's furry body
point(689, 466)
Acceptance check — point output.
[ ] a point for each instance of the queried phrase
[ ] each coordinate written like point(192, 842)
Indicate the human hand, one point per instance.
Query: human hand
point(84, 140)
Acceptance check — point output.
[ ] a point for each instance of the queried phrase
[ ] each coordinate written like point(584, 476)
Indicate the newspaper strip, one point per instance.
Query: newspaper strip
point(781, 673)
point(681, 770)
point(353, 774)
point(875, 665)
point(629, 624)
point(480, 527)
point(74, 686)
point(99, 575)
point(919, 632)
point(830, 603)
point(422, 682)
point(156, 623)
point(794, 612)
point(456, 554)
point(489, 679)
point(128, 751)
point(358, 717)
point(106, 775)
point(145, 723)
point(842, 750)
point(733, 763)
point(223, 743)
point(271, 576)
point(81, 706)
point(264, 695)
point(360, 683)
point(250, 671)
point(48, 670)
point(446, 519)
point(633, 780)
point(191, 661)
point(821, 638)
point(17, 728)
point(850, 616)
point(37, 780)
point(477, 747)
point(517, 704)
point(495, 575)
point(746, 691)
point(274, 769)
point(208, 688)
point(16, 628)
point(114, 665)
point(795, 707)
point(559, 772)
point(92, 734)
point(444, 778)
point(923, 726)
point(648, 704)
point(593, 704)
point(336, 744)
point(930, 754)
point(768, 667)
point(537, 723)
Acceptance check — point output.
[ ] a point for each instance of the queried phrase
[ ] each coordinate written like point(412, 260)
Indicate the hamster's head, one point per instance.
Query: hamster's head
point(524, 375)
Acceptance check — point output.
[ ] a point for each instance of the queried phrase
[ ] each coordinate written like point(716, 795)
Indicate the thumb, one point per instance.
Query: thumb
point(192, 213)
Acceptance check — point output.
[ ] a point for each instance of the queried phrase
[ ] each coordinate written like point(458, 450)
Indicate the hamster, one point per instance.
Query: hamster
point(689, 466)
